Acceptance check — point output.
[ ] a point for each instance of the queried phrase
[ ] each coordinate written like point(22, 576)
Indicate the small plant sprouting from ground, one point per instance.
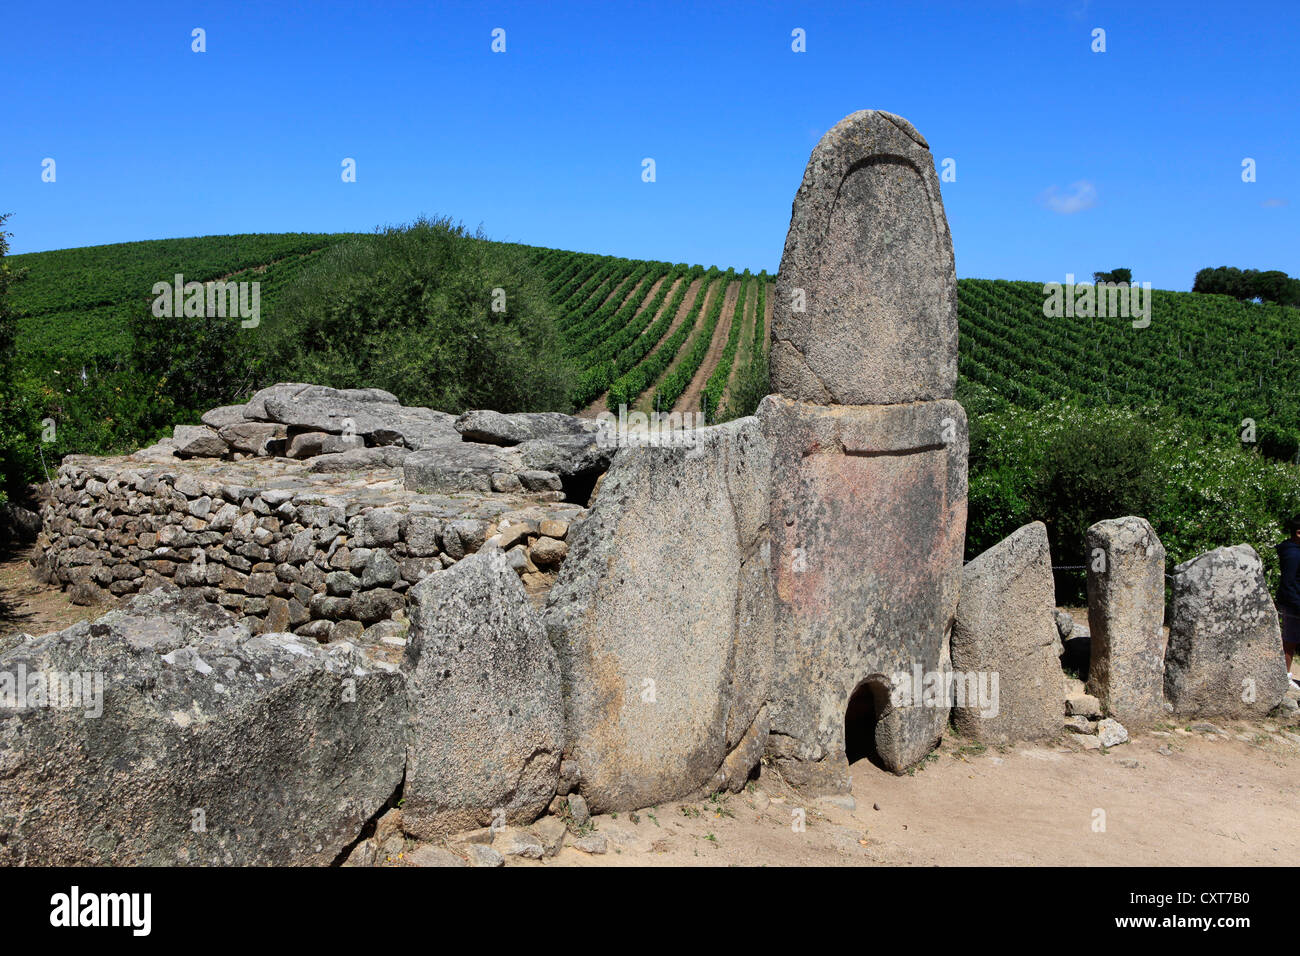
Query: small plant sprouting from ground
point(718, 804)
point(690, 811)
point(920, 765)
point(577, 829)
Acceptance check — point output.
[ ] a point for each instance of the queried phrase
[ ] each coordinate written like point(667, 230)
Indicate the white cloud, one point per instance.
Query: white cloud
point(1274, 203)
point(1080, 196)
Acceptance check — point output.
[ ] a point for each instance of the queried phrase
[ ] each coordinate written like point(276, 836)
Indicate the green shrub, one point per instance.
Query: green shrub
point(182, 366)
point(17, 424)
point(1070, 467)
point(410, 310)
point(749, 388)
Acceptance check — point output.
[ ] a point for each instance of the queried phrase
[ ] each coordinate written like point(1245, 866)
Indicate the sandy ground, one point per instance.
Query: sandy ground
point(1167, 798)
point(29, 607)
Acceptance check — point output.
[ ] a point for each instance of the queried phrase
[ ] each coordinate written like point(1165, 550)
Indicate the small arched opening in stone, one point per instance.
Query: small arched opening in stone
point(867, 704)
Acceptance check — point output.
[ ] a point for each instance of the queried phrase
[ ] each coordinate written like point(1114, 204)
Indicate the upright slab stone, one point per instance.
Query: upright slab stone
point(868, 506)
point(1225, 645)
point(487, 722)
point(1006, 626)
point(662, 619)
point(1126, 608)
point(868, 523)
point(865, 308)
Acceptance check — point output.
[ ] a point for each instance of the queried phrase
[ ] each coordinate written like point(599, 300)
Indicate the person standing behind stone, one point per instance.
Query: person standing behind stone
point(1288, 590)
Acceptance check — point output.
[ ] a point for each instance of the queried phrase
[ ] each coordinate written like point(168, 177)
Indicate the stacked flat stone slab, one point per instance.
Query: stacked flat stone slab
point(868, 505)
point(1126, 608)
point(329, 556)
point(1006, 626)
point(661, 616)
point(1225, 645)
point(341, 430)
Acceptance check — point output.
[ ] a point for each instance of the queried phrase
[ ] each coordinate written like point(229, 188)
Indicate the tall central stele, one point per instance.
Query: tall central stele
point(868, 511)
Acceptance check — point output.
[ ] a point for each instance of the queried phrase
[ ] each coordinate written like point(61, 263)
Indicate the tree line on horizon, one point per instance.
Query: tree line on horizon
point(1248, 285)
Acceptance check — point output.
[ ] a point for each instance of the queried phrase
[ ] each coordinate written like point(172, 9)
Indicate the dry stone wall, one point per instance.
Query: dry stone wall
point(309, 545)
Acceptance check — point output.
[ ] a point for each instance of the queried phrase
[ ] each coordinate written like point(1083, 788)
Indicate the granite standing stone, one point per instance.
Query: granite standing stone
point(865, 307)
point(1006, 625)
point(1126, 608)
point(487, 722)
point(868, 521)
point(203, 744)
point(1225, 645)
point(662, 618)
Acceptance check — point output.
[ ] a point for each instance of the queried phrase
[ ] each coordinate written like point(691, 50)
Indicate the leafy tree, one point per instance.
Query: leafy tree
point(427, 311)
point(17, 426)
point(1115, 275)
point(183, 365)
point(1249, 284)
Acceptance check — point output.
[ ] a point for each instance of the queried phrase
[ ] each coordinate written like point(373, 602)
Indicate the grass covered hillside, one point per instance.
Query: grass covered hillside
point(1192, 420)
point(1211, 358)
point(650, 330)
point(74, 304)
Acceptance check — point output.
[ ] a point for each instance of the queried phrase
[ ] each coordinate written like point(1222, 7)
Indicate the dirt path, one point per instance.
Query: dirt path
point(768, 299)
point(693, 293)
point(1178, 799)
point(609, 296)
point(598, 406)
point(744, 346)
point(690, 399)
point(27, 606)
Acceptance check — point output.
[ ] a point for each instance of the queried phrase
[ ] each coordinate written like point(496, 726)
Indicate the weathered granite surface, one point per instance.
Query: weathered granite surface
point(865, 306)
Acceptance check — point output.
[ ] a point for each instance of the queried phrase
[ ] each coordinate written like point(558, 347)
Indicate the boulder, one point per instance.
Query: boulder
point(569, 456)
point(465, 466)
point(865, 306)
point(1082, 705)
point(1225, 645)
point(1064, 624)
point(548, 553)
point(253, 438)
point(201, 744)
point(311, 444)
point(1126, 608)
point(661, 615)
point(198, 441)
point(257, 411)
point(164, 452)
point(495, 428)
point(359, 459)
point(19, 523)
point(1006, 626)
point(1111, 732)
point(487, 722)
point(218, 418)
point(375, 423)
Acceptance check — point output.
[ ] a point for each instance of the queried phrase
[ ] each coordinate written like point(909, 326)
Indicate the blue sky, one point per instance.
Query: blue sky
point(1067, 160)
